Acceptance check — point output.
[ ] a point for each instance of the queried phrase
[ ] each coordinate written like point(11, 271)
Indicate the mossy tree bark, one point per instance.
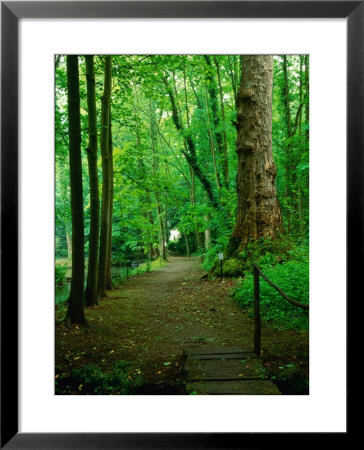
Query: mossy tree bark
point(93, 253)
point(258, 211)
point(76, 312)
point(106, 184)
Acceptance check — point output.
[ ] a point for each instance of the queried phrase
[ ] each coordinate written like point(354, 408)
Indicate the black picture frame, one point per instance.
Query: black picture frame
point(11, 12)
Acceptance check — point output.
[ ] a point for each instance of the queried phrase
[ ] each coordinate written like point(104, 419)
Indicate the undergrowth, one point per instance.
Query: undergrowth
point(60, 273)
point(292, 276)
point(90, 379)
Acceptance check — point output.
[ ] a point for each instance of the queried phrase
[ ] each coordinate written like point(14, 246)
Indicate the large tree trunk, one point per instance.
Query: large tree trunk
point(75, 313)
point(106, 184)
point(258, 212)
point(93, 252)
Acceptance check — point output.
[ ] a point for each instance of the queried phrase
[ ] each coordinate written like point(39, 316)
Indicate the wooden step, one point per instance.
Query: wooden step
point(224, 356)
point(223, 369)
point(235, 387)
point(216, 351)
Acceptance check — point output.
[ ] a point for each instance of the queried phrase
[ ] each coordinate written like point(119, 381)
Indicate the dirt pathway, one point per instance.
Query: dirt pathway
point(152, 318)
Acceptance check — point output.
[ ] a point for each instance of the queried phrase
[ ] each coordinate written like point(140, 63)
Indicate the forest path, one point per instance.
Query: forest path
point(151, 319)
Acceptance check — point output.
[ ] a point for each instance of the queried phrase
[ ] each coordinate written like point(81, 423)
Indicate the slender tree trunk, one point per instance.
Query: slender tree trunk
point(307, 89)
point(166, 224)
point(207, 235)
point(69, 246)
point(193, 203)
point(258, 211)
point(109, 284)
point(300, 181)
point(145, 197)
point(187, 246)
point(106, 184)
point(304, 198)
point(288, 156)
point(76, 312)
point(233, 78)
point(212, 90)
point(163, 250)
point(220, 136)
point(300, 94)
point(162, 232)
point(190, 150)
point(212, 145)
point(225, 161)
point(93, 252)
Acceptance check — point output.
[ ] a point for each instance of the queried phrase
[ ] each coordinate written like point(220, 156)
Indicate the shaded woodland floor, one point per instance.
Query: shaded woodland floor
point(153, 317)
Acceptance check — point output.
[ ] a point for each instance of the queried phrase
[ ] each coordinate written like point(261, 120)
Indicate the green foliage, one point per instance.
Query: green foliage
point(60, 273)
point(291, 151)
point(211, 255)
point(173, 246)
point(293, 278)
point(90, 379)
point(179, 246)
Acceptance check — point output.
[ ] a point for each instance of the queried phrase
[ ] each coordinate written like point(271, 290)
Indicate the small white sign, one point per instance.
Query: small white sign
point(221, 256)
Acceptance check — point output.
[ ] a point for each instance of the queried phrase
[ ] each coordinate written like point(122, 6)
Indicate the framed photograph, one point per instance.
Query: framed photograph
point(180, 79)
